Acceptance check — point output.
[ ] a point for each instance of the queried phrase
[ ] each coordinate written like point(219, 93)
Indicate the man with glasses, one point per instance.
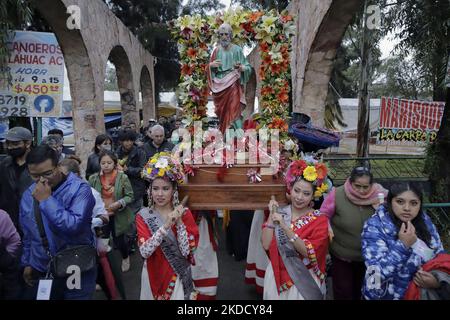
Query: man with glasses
point(64, 204)
point(14, 172)
point(227, 73)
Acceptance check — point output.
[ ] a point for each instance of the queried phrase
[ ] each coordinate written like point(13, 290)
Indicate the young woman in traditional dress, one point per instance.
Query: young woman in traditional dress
point(167, 235)
point(296, 237)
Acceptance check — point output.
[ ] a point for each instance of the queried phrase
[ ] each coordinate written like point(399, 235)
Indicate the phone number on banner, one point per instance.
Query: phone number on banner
point(13, 106)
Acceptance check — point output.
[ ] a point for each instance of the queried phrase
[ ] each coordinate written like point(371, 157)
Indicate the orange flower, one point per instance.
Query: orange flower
point(266, 91)
point(278, 123)
point(186, 69)
point(191, 53)
point(283, 97)
point(286, 18)
point(254, 17)
point(321, 170)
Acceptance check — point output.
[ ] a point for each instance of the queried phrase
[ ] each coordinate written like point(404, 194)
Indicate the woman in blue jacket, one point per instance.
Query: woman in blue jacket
point(396, 241)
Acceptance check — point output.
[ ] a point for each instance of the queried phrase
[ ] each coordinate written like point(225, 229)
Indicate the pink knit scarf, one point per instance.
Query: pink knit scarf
point(371, 198)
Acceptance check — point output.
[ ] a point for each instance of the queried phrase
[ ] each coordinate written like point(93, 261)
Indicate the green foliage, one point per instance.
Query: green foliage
point(147, 20)
point(423, 27)
point(279, 5)
point(14, 14)
point(403, 78)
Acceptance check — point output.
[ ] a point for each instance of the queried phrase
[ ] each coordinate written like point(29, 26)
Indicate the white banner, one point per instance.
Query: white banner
point(36, 65)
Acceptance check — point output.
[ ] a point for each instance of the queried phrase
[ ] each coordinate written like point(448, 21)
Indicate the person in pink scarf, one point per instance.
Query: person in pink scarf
point(347, 208)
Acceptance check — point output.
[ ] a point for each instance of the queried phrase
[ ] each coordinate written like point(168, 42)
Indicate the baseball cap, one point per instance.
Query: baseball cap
point(19, 134)
point(152, 120)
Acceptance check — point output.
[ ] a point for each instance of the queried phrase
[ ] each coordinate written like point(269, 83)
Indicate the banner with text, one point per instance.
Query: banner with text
point(36, 65)
point(409, 121)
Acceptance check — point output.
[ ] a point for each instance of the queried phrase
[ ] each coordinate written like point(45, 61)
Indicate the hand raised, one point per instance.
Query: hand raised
point(407, 234)
point(42, 190)
point(215, 64)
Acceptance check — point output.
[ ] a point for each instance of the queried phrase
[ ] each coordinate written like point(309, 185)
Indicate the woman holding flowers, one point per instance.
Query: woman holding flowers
point(296, 237)
point(348, 207)
point(167, 234)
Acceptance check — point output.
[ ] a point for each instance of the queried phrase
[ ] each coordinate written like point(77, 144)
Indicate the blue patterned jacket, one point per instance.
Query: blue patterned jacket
point(390, 264)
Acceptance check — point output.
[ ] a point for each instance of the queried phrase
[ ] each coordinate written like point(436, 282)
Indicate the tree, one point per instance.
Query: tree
point(14, 14)
point(147, 20)
point(280, 5)
point(111, 79)
point(202, 7)
point(402, 78)
point(423, 27)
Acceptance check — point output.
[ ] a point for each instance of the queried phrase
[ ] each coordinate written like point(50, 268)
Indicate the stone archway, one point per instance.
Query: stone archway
point(86, 52)
point(148, 104)
point(119, 58)
point(320, 27)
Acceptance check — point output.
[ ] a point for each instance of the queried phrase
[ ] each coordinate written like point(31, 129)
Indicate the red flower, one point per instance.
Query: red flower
point(191, 53)
point(266, 91)
point(254, 17)
point(297, 167)
point(267, 59)
point(278, 123)
point(283, 97)
point(286, 18)
point(264, 47)
point(322, 170)
point(275, 68)
point(186, 69)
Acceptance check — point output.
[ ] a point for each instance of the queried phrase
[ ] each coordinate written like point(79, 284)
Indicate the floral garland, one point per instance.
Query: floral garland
point(161, 165)
point(272, 31)
point(310, 170)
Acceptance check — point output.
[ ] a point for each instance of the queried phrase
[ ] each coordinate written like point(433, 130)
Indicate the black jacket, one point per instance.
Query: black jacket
point(151, 150)
point(11, 189)
point(93, 165)
point(135, 163)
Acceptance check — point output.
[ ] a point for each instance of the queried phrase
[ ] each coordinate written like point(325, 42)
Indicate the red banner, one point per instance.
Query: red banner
point(411, 121)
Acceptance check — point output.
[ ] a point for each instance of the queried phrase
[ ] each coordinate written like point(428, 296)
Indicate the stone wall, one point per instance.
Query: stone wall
point(101, 36)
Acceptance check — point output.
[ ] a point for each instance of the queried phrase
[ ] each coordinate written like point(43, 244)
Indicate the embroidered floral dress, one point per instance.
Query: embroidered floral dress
point(159, 281)
point(312, 228)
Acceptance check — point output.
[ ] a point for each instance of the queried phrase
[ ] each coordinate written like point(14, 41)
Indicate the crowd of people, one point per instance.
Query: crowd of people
point(380, 244)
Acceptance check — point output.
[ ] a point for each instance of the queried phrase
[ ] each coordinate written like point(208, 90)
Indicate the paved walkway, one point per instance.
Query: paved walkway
point(231, 276)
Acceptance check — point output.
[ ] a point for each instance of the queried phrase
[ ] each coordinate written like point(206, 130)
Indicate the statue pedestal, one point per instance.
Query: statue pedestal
point(235, 192)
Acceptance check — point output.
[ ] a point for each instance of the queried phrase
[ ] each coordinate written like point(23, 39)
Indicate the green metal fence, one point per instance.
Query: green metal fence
point(440, 214)
point(382, 167)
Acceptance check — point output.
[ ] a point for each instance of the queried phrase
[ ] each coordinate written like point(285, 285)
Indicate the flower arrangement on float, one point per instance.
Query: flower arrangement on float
point(272, 31)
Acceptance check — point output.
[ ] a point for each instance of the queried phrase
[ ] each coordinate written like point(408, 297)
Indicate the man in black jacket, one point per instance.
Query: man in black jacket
point(158, 143)
point(15, 178)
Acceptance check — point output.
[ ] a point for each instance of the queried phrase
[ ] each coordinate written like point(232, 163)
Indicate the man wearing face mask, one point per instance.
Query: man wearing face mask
point(228, 71)
point(15, 178)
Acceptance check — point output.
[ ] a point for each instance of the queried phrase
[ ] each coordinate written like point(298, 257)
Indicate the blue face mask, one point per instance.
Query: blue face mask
point(107, 147)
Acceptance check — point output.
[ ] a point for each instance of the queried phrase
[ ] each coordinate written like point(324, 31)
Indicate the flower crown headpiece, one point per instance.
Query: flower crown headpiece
point(161, 165)
point(310, 169)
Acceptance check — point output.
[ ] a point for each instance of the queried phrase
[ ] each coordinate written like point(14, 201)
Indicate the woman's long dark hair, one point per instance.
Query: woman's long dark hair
point(99, 140)
point(418, 222)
